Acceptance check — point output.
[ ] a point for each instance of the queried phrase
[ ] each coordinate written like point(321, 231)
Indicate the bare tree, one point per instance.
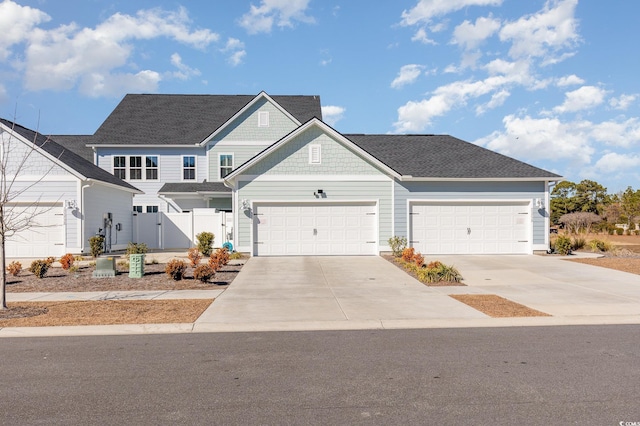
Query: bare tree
point(579, 220)
point(15, 161)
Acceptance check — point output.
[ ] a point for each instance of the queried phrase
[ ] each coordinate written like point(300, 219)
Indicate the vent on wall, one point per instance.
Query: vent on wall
point(263, 119)
point(314, 154)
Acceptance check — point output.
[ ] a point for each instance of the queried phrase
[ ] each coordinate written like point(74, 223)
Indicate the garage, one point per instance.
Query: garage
point(44, 240)
point(499, 227)
point(315, 229)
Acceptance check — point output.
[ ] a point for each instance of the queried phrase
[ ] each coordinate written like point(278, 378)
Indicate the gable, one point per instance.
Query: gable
point(250, 125)
point(293, 157)
point(15, 151)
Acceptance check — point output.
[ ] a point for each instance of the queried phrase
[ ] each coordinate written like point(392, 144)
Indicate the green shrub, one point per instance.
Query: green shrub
point(563, 245)
point(14, 268)
point(97, 245)
point(176, 269)
point(619, 231)
point(235, 255)
point(136, 248)
point(600, 245)
point(205, 242)
point(437, 271)
point(40, 267)
point(203, 273)
point(397, 244)
point(123, 264)
point(578, 243)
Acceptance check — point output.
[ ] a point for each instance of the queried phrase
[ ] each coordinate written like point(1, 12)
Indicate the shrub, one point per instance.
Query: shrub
point(74, 269)
point(407, 254)
point(203, 273)
point(123, 264)
point(600, 245)
point(235, 255)
point(438, 271)
point(14, 268)
point(397, 244)
point(418, 259)
point(214, 262)
point(205, 242)
point(449, 273)
point(578, 243)
point(223, 256)
point(50, 260)
point(97, 245)
point(136, 248)
point(619, 231)
point(40, 267)
point(194, 256)
point(563, 245)
point(175, 269)
point(67, 261)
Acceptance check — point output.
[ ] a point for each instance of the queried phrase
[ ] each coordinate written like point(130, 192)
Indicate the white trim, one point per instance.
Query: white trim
point(328, 130)
point(157, 146)
point(242, 143)
point(220, 154)
point(315, 153)
point(195, 168)
point(312, 178)
point(523, 201)
point(263, 119)
point(470, 179)
point(245, 108)
point(41, 178)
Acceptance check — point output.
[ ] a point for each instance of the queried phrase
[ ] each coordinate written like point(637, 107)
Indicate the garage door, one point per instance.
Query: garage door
point(46, 239)
point(314, 229)
point(470, 228)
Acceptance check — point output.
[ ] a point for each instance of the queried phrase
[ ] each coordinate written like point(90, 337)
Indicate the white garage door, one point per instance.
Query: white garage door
point(314, 229)
point(470, 228)
point(44, 240)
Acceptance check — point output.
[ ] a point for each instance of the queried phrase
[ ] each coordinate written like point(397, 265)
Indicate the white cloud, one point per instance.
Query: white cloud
point(623, 102)
point(569, 80)
point(617, 133)
point(469, 35)
point(426, 10)
point(3, 94)
point(184, 71)
point(586, 97)
point(497, 99)
point(422, 36)
point(69, 56)
point(236, 49)
point(331, 114)
point(16, 24)
point(544, 33)
point(407, 75)
point(613, 162)
point(282, 13)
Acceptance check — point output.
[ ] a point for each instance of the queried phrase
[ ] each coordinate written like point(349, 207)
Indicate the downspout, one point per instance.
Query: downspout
point(83, 216)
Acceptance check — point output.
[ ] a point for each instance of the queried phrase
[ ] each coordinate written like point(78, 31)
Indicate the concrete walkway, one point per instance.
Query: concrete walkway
point(341, 293)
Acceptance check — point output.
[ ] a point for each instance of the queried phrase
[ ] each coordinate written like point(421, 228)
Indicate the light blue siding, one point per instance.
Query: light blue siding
point(461, 191)
point(245, 127)
point(99, 200)
point(302, 191)
point(29, 161)
point(241, 154)
point(293, 158)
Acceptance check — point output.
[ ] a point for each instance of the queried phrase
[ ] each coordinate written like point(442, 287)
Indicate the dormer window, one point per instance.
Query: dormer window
point(263, 119)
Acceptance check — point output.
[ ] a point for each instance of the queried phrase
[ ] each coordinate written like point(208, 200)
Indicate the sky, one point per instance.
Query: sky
point(552, 83)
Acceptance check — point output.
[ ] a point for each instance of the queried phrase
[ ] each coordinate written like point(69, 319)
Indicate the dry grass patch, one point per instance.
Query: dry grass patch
point(103, 312)
point(624, 264)
point(496, 306)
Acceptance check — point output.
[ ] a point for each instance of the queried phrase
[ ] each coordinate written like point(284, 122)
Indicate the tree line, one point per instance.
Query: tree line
point(587, 205)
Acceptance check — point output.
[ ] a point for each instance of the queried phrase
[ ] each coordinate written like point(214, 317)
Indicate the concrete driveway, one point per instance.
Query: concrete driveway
point(301, 293)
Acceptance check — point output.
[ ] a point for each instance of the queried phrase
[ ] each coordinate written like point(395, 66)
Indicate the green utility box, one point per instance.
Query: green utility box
point(105, 267)
point(136, 265)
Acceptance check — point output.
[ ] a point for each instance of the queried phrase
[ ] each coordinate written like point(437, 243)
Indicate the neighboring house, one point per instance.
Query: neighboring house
point(296, 186)
point(69, 198)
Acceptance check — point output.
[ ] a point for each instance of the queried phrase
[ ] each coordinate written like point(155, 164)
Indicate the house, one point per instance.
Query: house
point(68, 198)
point(290, 184)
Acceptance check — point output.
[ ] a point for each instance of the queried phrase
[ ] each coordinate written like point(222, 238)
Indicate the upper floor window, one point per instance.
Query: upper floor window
point(137, 209)
point(152, 209)
point(189, 167)
point(151, 168)
point(263, 119)
point(226, 164)
point(120, 166)
point(135, 168)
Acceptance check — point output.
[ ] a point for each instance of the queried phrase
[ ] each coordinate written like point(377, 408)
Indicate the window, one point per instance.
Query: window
point(263, 119)
point(152, 168)
point(152, 209)
point(137, 209)
point(189, 167)
point(120, 166)
point(226, 164)
point(135, 168)
point(314, 154)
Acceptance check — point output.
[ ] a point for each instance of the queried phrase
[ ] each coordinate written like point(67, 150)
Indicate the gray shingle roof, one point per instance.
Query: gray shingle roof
point(443, 156)
point(77, 144)
point(70, 158)
point(185, 119)
point(183, 187)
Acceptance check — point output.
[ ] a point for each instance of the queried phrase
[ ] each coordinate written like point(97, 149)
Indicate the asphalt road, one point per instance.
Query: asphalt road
point(502, 376)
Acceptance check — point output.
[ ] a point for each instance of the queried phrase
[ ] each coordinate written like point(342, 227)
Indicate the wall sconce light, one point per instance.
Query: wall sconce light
point(244, 204)
point(71, 204)
point(539, 203)
point(318, 193)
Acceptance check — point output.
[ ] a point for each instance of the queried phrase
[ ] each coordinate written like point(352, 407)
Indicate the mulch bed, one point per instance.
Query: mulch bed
point(625, 264)
point(496, 306)
point(59, 280)
point(413, 274)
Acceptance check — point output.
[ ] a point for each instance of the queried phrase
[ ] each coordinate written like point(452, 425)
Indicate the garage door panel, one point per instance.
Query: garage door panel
point(316, 229)
point(45, 239)
point(469, 228)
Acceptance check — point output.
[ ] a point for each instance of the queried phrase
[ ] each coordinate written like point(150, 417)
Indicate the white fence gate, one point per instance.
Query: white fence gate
point(179, 230)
